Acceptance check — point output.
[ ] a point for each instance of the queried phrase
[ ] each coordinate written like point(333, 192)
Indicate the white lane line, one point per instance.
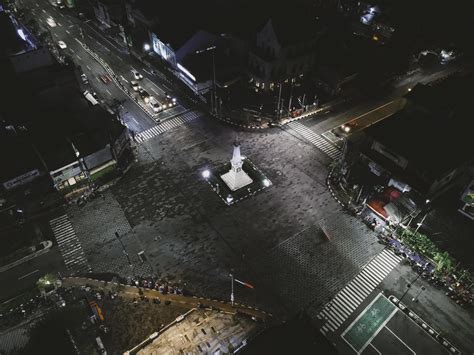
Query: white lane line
point(124, 79)
point(78, 57)
point(68, 32)
point(72, 50)
point(377, 350)
point(43, 10)
point(58, 23)
point(400, 339)
point(108, 92)
point(154, 91)
point(88, 67)
point(28, 274)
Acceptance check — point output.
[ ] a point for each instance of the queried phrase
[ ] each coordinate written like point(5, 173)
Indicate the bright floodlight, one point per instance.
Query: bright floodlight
point(146, 47)
point(229, 199)
point(266, 182)
point(206, 174)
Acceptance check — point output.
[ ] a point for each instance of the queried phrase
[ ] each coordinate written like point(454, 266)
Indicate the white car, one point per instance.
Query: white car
point(50, 21)
point(134, 85)
point(136, 75)
point(62, 45)
point(155, 105)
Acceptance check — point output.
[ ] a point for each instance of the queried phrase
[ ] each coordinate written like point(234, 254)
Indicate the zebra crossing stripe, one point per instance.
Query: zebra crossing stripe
point(166, 126)
point(319, 141)
point(69, 245)
point(346, 301)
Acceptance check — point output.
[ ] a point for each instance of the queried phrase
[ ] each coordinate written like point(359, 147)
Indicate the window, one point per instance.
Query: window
point(56, 174)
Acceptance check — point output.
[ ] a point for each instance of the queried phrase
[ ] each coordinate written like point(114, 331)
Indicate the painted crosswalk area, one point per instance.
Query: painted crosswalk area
point(319, 141)
point(69, 245)
point(355, 292)
point(166, 126)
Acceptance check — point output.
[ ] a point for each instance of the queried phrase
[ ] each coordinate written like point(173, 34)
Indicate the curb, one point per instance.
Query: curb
point(194, 297)
point(28, 257)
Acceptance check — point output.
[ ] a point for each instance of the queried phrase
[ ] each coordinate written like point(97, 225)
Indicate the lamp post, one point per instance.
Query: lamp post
point(214, 92)
point(408, 288)
point(123, 248)
point(232, 279)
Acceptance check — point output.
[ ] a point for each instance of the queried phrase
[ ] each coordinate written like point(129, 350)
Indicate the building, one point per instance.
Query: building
point(51, 130)
point(425, 146)
point(200, 331)
point(283, 48)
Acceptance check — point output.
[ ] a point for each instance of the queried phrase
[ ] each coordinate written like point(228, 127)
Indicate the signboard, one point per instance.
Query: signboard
point(21, 180)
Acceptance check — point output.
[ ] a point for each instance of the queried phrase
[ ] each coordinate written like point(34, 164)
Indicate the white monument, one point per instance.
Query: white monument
point(236, 178)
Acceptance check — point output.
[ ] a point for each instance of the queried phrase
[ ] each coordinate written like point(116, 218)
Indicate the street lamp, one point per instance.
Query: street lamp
point(415, 299)
point(206, 174)
point(232, 279)
point(146, 47)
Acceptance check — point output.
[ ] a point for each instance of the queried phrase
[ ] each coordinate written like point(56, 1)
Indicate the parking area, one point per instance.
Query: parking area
point(381, 328)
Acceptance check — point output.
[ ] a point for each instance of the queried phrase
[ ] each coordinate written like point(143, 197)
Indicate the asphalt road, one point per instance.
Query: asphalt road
point(71, 30)
point(24, 276)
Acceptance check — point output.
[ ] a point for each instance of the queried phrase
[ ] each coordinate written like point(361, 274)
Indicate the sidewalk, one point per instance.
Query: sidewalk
point(192, 302)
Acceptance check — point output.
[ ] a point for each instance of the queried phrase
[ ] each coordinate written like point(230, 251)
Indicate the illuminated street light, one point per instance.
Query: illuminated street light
point(146, 47)
point(229, 199)
point(206, 174)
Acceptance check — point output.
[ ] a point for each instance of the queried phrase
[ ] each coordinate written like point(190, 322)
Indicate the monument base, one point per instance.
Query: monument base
point(235, 180)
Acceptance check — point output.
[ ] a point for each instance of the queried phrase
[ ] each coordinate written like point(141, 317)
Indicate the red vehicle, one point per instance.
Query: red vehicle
point(105, 79)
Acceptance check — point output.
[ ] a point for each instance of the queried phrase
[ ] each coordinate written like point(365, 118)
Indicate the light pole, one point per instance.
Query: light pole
point(123, 248)
point(415, 299)
point(232, 279)
point(214, 93)
point(408, 288)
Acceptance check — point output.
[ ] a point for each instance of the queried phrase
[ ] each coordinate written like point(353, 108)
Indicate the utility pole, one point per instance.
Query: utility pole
point(214, 80)
point(232, 279)
point(278, 104)
point(123, 248)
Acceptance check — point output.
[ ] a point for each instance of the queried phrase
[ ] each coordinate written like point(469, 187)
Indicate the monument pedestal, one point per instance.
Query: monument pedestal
point(236, 180)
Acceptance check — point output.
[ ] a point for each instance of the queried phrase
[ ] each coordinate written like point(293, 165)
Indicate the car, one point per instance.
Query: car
point(135, 86)
point(144, 95)
point(84, 79)
point(62, 45)
point(155, 104)
point(50, 21)
point(105, 79)
point(137, 75)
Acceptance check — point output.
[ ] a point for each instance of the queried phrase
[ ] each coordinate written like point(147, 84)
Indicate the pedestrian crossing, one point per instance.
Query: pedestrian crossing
point(69, 245)
point(355, 292)
point(319, 141)
point(166, 126)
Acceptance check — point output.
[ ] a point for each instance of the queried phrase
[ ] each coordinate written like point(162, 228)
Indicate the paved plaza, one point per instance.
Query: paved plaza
point(291, 241)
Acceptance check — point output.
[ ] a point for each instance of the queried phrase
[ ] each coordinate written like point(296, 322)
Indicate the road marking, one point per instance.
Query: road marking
point(88, 67)
point(108, 92)
point(377, 350)
point(78, 57)
point(43, 10)
point(70, 26)
point(28, 274)
point(400, 339)
point(72, 50)
point(68, 32)
point(124, 78)
point(154, 91)
point(58, 23)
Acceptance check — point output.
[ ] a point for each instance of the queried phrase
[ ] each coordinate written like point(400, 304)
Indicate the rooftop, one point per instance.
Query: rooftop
point(201, 331)
point(433, 129)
